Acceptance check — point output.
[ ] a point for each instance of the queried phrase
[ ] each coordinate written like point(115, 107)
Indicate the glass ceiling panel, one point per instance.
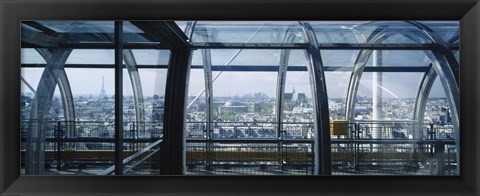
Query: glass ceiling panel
point(339, 58)
point(79, 26)
point(298, 58)
point(151, 57)
point(182, 25)
point(24, 26)
point(248, 32)
point(402, 58)
point(87, 56)
point(263, 57)
point(445, 29)
point(359, 31)
point(31, 56)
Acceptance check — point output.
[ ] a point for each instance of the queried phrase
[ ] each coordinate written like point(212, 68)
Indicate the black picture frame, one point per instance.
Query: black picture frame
point(14, 11)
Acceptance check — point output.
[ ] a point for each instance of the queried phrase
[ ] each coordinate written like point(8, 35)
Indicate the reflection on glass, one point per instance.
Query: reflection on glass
point(91, 56)
point(396, 99)
point(251, 31)
point(337, 88)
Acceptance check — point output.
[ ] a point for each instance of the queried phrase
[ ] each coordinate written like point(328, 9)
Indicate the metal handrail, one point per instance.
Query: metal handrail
point(134, 156)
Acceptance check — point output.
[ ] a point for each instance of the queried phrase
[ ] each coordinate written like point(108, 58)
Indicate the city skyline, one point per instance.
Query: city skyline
point(85, 82)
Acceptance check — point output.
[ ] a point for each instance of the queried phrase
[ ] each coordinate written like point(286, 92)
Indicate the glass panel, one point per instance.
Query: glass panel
point(298, 117)
point(337, 88)
point(358, 32)
point(151, 57)
point(93, 119)
point(182, 25)
point(79, 26)
point(297, 58)
point(397, 91)
point(253, 57)
point(144, 86)
point(447, 30)
point(132, 33)
point(439, 125)
point(456, 53)
point(196, 105)
point(93, 91)
point(31, 56)
point(401, 58)
point(197, 58)
point(31, 77)
point(337, 32)
point(238, 97)
point(248, 32)
point(92, 56)
point(339, 58)
point(30, 28)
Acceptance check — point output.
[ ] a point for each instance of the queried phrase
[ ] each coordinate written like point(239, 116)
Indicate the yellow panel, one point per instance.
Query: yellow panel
point(339, 127)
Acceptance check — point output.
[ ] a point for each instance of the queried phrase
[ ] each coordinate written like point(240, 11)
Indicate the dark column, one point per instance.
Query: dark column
point(172, 150)
point(118, 98)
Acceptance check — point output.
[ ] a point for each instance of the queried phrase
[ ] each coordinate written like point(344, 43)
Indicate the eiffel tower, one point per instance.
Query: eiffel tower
point(103, 94)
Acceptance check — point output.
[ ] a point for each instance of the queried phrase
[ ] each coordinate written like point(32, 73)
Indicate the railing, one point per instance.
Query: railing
point(370, 147)
point(255, 148)
point(249, 157)
point(130, 163)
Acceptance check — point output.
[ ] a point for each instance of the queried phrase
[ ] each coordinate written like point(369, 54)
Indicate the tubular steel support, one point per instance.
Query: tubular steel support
point(131, 65)
point(207, 71)
point(35, 150)
point(447, 68)
point(359, 66)
point(321, 114)
point(65, 93)
point(172, 150)
point(425, 88)
point(118, 98)
point(54, 74)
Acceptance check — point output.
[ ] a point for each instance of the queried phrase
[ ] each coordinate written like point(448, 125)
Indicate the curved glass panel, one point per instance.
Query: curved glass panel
point(182, 25)
point(132, 34)
point(82, 31)
point(438, 125)
point(31, 56)
point(92, 56)
point(358, 32)
point(79, 26)
point(445, 29)
point(196, 105)
point(339, 58)
point(337, 32)
point(31, 78)
point(337, 89)
point(401, 58)
point(396, 93)
point(297, 58)
point(249, 57)
point(456, 53)
point(151, 56)
point(247, 32)
point(297, 104)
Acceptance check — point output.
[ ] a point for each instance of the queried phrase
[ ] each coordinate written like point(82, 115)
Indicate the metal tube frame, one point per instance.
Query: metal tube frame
point(118, 97)
point(322, 147)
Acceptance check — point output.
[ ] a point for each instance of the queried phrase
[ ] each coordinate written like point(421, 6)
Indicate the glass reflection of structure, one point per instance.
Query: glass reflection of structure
point(264, 98)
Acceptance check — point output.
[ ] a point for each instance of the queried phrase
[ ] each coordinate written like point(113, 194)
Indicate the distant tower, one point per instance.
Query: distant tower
point(103, 94)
